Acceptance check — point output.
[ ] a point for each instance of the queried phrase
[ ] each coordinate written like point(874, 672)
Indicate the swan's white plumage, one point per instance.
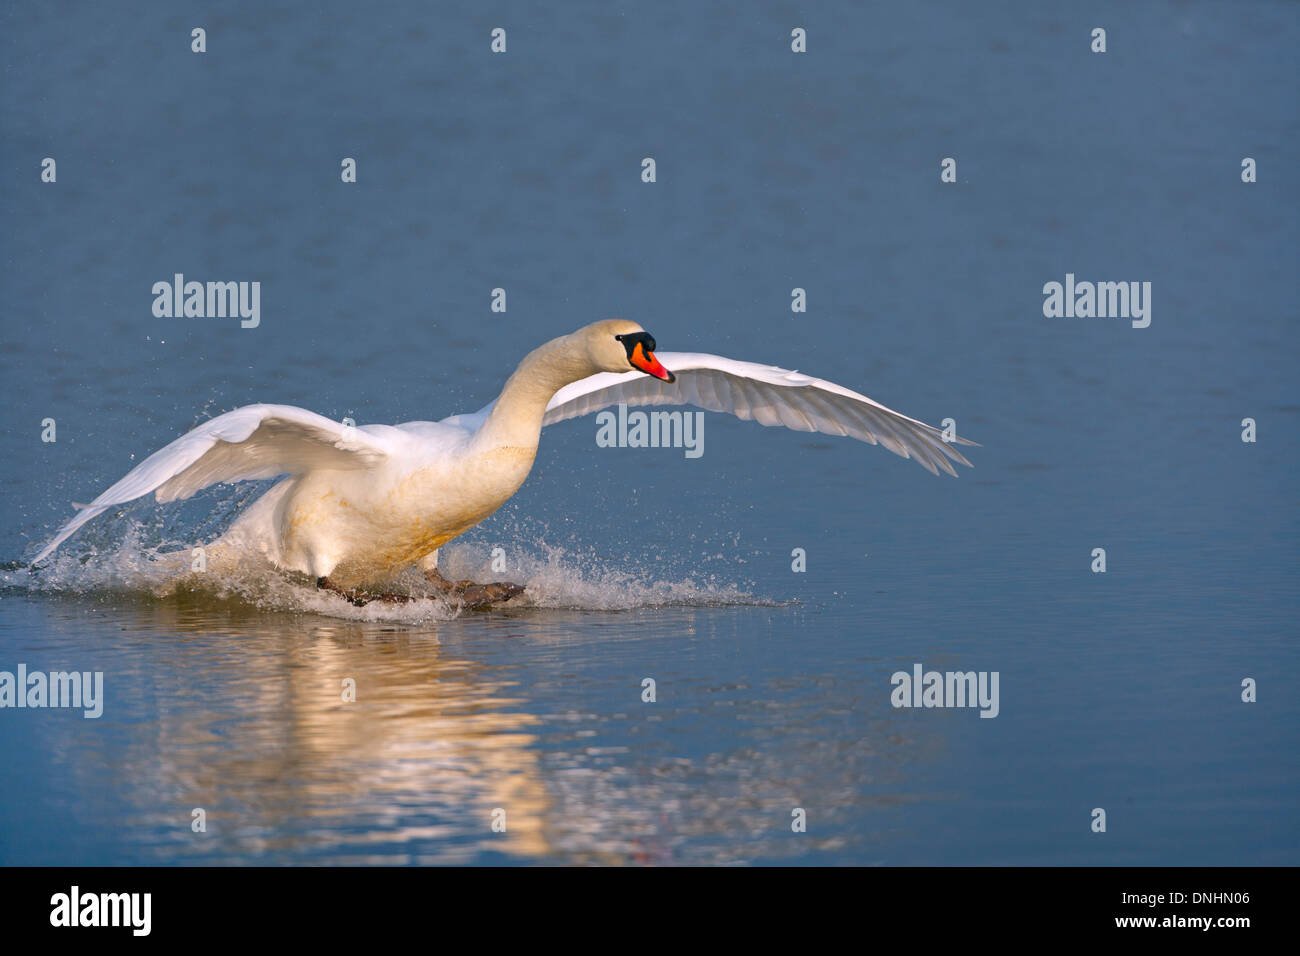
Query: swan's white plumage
point(367, 500)
point(766, 394)
point(256, 441)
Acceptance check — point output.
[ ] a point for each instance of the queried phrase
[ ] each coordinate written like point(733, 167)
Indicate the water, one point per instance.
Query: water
point(1118, 690)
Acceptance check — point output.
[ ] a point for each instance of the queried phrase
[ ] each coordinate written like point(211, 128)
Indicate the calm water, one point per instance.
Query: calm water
point(522, 171)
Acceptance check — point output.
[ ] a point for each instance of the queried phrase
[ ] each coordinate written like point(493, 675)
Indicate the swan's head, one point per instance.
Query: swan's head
point(617, 345)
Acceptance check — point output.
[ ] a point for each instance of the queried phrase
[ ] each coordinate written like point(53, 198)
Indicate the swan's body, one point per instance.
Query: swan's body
point(363, 503)
point(361, 524)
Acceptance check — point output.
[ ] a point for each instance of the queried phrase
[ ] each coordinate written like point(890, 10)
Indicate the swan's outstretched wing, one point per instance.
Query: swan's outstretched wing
point(765, 393)
point(256, 441)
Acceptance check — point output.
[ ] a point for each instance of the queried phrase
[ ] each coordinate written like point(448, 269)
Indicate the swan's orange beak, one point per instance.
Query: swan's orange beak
point(647, 363)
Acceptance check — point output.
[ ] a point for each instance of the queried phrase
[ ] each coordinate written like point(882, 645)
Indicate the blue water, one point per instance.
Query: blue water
point(1119, 691)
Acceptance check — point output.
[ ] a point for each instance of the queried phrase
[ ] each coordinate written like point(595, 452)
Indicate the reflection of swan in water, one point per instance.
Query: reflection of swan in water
point(363, 504)
point(237, 711)
point(255, 731)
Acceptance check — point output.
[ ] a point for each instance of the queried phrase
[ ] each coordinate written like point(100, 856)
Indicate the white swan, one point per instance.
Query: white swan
point(363, 503)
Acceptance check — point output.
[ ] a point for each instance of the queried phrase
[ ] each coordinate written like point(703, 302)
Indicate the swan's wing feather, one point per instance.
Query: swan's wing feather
point(256, 441)
point(766, 394)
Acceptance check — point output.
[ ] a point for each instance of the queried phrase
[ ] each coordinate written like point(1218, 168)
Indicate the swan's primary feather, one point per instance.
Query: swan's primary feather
point(767, 394)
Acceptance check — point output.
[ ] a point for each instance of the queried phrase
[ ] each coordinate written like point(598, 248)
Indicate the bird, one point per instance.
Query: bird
point(358, 505)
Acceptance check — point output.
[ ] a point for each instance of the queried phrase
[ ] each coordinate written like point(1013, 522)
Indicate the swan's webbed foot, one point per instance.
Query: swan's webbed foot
point(359, 597)
point(475, 596)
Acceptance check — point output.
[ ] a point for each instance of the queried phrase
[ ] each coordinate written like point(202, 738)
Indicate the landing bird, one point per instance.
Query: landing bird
point(363, 503)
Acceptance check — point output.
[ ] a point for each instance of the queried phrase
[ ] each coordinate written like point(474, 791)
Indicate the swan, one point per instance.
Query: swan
point(363, 503)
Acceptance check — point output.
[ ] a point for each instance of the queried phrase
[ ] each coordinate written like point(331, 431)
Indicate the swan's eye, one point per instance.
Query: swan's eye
point(631, 340)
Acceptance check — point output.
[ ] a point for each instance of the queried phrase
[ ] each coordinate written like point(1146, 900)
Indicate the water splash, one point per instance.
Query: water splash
point(140, 552)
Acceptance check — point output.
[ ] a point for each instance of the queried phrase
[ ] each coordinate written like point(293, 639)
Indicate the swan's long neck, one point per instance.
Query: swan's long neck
point(516, 418)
